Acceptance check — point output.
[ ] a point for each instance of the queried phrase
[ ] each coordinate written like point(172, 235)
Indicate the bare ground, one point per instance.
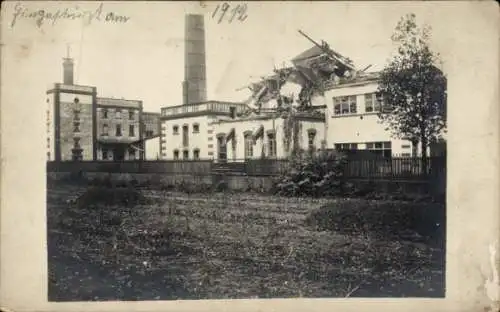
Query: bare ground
point(219, 246)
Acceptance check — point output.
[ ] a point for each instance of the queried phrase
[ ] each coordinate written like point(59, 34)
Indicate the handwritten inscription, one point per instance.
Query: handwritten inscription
point(230, 13)
point(42, 16)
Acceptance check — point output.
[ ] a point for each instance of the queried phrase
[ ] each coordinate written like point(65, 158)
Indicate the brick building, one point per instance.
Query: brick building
point(83, 126)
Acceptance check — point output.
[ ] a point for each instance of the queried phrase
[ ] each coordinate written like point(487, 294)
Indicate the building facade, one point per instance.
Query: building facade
point(82, 126)
point(151, 124)
point(352, 120)
point(264, 136)
point(119, 135)
point(187, 131)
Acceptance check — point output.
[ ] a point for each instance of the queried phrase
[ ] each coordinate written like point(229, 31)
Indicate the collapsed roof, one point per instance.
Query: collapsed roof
point(312, 70)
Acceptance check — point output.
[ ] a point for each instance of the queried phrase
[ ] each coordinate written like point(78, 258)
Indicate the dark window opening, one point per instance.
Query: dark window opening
point(104, 130)
point(185, 136)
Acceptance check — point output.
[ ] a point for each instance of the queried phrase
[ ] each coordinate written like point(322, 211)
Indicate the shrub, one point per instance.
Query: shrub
point(96, 195)
point(388, 219)
point(313, 175)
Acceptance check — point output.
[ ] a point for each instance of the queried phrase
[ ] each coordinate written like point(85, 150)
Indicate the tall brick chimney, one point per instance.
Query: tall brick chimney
point(68, 69)
point(194, 85)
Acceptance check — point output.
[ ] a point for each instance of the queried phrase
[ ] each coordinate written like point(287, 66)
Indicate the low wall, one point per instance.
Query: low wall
point(152, 179)
point(238, 182)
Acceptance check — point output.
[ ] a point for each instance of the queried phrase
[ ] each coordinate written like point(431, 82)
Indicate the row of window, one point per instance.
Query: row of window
point(106, 155)
point(379, 148)
point(249, 143)
point(345, 105)
point(185, 129)
point(76, 151)
point(118, 114)
point(118, 130)
point(185, 154)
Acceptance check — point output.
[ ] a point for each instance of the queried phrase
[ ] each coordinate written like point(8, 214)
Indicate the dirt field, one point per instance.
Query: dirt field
point(217, 246)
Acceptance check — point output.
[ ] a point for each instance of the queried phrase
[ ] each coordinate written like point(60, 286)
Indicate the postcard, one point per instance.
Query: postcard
point(249, 156)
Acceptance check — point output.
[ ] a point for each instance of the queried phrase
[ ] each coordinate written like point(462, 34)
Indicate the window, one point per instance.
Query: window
point(196, 128)
point(176, 154)
point(405, 155)
point(76, 151)
point(346, 146)
point(311, 136)
point(104, 154)
point(104, 129)
point(176, 129)
point(131, 114)
point(271, 139)
point(344, 105)
point(76, 126)
point(149, 133)
point(372, 104)
point(196, 154)
point(185, 135)
point(105, 113)
point(118, 114)
point(380, 148)
point(221, 148)
point(118, 130)
point(131, 131)
point(76, 115)
point(131, 154)
point(405, 146)
point(248, 145)
point(185, 154)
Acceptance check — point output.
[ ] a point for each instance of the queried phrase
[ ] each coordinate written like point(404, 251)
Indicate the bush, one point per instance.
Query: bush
point(388, 219)
point(314, 175)
point(123, 196)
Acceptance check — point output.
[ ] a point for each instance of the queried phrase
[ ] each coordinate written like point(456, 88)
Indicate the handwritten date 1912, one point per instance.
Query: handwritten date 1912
point(238, 12)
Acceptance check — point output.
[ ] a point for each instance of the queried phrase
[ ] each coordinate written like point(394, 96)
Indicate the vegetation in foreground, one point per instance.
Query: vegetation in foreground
point(114, 243)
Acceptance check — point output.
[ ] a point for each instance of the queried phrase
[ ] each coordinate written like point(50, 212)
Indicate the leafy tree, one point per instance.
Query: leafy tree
point(413, 88)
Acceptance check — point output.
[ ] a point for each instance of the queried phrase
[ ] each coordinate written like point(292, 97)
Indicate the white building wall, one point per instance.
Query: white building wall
point(362, 127)
point(152, 148)
point(196, 140)
point(271, 124)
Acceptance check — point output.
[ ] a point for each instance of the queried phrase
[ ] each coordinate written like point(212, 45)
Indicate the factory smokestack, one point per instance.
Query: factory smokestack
point(194, 86)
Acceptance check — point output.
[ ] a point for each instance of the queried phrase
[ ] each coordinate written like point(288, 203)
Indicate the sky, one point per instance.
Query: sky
point(143, 58)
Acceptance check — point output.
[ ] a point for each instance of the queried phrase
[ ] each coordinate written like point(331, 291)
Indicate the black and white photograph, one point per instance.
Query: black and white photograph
point(243, 150)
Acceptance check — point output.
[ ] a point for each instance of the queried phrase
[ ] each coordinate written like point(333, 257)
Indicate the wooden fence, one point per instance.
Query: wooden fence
point(149, 166)
point(395, 168)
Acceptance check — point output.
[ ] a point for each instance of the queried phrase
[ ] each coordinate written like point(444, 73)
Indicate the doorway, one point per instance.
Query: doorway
point(119, 154)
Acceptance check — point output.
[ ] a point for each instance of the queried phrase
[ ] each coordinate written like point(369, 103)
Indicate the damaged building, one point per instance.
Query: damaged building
point(321, 100)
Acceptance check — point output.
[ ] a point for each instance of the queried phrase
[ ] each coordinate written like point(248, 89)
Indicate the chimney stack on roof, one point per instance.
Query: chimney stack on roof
point(68, 68)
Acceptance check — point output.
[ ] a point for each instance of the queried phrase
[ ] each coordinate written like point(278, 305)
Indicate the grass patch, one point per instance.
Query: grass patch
point(108, 244)
point(395, 220)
